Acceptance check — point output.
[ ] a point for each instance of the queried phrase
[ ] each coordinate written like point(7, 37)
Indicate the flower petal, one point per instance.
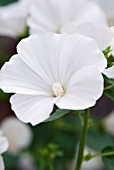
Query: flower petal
point(80, 52)
point(17, 77)
point(42, 53)
point(33, 109)
point(84, 88)
point(102, 34)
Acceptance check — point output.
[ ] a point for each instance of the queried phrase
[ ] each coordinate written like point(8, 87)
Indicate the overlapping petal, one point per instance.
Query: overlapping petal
point(103, 35)
point(83, 89)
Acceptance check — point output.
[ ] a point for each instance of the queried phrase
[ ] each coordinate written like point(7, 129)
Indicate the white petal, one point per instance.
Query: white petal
point(19, 134)
point(1, 163)
point(3, 144)
point(103, 35)
point(109, 72)
point(84, 88)
point(51, 15)
point(33, 109)
point(80, 52)
point(42, 53)
point(17, 77)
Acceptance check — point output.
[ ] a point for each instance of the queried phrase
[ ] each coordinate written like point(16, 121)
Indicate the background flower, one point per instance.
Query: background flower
point(108, 7)
point(3, 148)
point(13, 18)
point(19, 134)
point(102, 34)
point(109, 123)
point(52, 15)
point(26, 162)
point(53, 69)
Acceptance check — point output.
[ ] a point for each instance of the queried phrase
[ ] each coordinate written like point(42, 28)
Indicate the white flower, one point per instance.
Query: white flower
point(49, 69)
point(52, 15)
point(3, 148)
point(103, 35)
point(26, 162)
point(18, 134)
point(13, 18)
point(109, 123)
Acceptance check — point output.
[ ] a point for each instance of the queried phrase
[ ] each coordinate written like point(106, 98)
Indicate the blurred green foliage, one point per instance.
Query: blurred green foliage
point(5, 2)
point(108, 160)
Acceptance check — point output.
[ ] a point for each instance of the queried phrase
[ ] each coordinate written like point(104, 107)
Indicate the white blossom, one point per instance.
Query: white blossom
point(49, 69)
point(26, 162)
point(13, 18)
point(18, 134)
point(3, 147)
point(52, 15)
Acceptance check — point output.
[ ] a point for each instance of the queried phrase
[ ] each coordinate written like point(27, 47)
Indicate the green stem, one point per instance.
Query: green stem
point(81, 118)
point(109, 87)
point(102, 154)
point(50, 165)
point(82, 141)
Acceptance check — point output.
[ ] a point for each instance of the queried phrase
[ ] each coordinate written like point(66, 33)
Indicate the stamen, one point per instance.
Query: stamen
point(58, 90)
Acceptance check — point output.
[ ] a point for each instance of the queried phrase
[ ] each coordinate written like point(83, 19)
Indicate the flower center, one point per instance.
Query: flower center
point(58, 89)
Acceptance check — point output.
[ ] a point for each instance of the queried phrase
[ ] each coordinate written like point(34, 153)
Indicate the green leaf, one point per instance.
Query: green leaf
point(6, 2)
point(108, 160)
point(109, 93)
point(98, 140)
point(57, 114)
point(106, 51)
point(10, 160)
point(4, 96)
